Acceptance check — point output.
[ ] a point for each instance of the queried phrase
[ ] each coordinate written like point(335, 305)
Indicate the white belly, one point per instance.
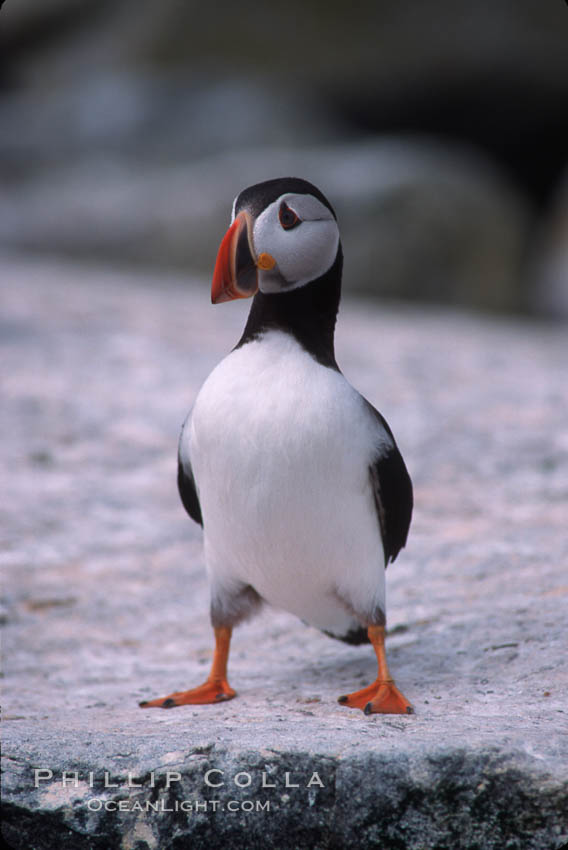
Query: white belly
point(280, 448)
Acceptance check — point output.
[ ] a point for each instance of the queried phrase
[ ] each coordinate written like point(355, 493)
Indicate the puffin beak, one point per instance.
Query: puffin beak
point(236, 273)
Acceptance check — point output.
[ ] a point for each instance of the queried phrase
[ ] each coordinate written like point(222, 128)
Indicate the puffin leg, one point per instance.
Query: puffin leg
point(216, 688)
point(382, 697)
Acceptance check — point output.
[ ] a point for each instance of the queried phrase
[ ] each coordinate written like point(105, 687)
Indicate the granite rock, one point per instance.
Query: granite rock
point(550, 293)
point(106, 598)
point(494, 76)
point(420, 220)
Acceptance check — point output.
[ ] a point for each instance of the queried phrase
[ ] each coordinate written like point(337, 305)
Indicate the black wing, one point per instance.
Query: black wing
point(392, 489)
point(188, 491)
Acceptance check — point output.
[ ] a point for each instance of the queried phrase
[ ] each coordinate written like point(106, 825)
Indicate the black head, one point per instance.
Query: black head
point(257, 198)
point(283, 236)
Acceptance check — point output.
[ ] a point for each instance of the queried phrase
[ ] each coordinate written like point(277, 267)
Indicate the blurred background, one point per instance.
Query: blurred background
point(438, 130)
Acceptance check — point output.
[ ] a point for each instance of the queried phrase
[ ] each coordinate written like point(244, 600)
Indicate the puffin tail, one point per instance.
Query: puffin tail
point(355, 636)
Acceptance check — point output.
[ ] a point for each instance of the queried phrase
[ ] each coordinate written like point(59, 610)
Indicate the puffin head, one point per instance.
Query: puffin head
point(283, 235)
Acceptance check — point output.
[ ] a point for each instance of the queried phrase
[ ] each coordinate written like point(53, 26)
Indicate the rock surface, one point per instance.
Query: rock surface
point(125, 128)
point(551, 292)
point(495, 76)
point(106, 602)
point(419, 220)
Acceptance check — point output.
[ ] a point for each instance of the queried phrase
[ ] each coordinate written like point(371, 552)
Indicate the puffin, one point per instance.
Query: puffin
point(296, 479)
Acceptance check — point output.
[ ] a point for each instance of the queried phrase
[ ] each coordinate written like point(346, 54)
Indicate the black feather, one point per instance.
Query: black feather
point(392, 489)
point(188, 492)
point(256, 198)
point(355, 636)
point(308, 313)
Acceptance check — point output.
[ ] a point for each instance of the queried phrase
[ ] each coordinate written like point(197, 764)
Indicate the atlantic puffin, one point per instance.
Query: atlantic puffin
point(296, 479)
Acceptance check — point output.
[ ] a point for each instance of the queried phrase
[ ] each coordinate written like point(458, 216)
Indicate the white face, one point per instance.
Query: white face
point(302, 252)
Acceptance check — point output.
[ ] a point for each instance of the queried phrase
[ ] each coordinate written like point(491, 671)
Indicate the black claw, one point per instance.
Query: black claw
point(342, 699)
point(168, 703)
point(368, 709)
point(143, 703)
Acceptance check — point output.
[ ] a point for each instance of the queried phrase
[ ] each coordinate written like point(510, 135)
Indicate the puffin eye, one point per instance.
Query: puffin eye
point(287, 217)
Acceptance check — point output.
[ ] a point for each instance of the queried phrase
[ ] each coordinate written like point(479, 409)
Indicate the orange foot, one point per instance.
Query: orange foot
point(208, 692)
point(382, 697)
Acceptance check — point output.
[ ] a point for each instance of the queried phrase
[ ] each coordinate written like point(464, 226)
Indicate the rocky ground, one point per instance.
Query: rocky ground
point(106, 598)
point(127, 128)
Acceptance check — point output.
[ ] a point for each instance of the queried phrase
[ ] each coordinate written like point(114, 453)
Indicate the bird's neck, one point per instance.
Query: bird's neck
point(308, 313)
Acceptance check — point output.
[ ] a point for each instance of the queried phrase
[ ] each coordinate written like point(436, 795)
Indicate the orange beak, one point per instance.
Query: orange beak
point(236, 274)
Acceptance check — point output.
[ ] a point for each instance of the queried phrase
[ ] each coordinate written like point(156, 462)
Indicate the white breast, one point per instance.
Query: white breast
point(280, 448)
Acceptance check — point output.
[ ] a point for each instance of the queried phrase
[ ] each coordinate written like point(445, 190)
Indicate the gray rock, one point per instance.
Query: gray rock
point(493, 76)
point(122, 126)
point(378, 47)
point(106, 599)
point(549, 297)
point(149, 119)
point(419, 220)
